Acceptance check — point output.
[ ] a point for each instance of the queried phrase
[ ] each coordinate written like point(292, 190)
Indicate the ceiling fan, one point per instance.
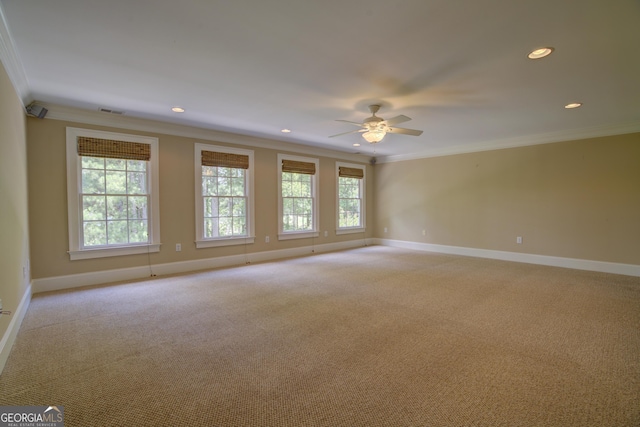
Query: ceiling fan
point(375, 128)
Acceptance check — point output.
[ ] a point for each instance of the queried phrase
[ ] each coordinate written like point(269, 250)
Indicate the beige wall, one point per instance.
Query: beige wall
point(14, 232)
point(577, 199)
point(48, 205)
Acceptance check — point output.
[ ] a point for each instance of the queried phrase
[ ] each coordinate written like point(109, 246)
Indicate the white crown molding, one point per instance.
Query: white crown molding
point(547, 138)
point(77, 115)
point(574, 263)
point(11, 61)
point(47, 284)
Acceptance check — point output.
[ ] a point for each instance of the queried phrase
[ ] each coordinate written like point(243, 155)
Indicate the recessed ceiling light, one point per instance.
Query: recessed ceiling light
point(286, 130)
point(573, 105)
point(177, 109)
point(356, 145)
point(540, 53)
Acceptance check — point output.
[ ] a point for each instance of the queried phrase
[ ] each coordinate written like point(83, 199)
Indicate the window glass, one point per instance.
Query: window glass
point(350, 198)
point(224, 209)
point(112, 194)
point(297, 198)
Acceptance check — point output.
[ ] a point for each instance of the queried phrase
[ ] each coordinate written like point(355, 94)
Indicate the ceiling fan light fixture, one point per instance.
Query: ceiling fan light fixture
point(374, 136)
point(540, 53)
point(374, 128)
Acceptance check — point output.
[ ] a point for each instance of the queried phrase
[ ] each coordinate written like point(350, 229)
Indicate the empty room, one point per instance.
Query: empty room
point(407, 213)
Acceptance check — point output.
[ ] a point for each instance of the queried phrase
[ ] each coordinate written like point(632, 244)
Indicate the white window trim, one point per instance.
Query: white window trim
point(290, 235)
point(74, 184)
point(351, 230)
point(201, 242)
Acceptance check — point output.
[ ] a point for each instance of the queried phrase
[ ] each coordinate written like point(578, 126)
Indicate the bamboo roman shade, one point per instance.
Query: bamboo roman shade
point(225, 160)
point(298, 167)
point(97, 147)
point(350, 172)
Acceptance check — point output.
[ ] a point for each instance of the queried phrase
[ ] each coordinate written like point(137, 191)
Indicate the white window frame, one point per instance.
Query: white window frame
point(363, 205)
point(74, 189)
point(201, 241)
point(289, 235)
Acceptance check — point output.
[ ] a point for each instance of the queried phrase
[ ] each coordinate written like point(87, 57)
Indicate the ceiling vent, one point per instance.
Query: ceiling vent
point(110, 111)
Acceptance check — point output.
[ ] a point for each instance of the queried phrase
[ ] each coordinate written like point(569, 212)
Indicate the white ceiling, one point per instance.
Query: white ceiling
point(457, 68)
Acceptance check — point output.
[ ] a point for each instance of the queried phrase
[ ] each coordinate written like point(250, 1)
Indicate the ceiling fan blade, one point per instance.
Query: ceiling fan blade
point(351, 123)
point(397, 119)
point(404, 131)
point(346, 133)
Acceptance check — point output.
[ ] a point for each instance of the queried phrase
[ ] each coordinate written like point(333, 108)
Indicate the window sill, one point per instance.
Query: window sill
point(350, 230)
point(298, 235)
point(116, 251)
point(227, 241)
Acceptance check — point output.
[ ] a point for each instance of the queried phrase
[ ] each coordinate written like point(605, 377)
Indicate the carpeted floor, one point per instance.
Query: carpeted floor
point(375, 336)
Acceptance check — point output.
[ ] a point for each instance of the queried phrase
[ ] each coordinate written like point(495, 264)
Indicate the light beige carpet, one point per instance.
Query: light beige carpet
point(367, 337)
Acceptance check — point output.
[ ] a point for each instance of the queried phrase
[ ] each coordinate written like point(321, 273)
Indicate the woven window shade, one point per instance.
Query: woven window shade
point(225, 160)
point(298, 167)
point(97, 147)
point(350, 172)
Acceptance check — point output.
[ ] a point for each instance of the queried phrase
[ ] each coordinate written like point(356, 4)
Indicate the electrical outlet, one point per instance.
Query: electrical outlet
point(266, 239)
point(519, 240)
point(178, 247)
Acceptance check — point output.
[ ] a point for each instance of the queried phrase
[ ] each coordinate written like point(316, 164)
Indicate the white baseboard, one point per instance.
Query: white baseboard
point(16, 320)
point(578, 264)
point(99, 277)
point(107, 276)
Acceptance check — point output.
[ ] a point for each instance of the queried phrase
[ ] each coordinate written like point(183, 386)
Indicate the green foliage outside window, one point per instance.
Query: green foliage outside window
point(297, 202)
point(115, 200)
point(225, 202)
point(349, 202)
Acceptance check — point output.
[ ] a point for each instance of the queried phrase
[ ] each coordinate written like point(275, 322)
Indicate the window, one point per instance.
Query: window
point(350, 191)
point(297, 197)
point(112, 193)
point(224, 206)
